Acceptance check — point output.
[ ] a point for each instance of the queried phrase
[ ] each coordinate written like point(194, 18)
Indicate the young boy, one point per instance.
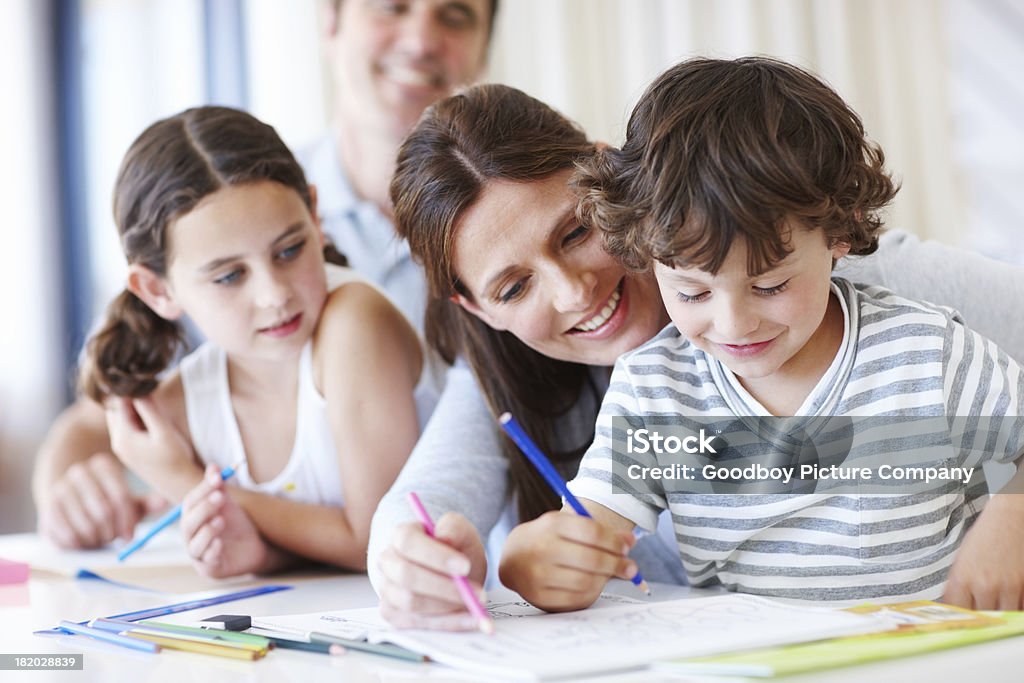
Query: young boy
point(743, 182)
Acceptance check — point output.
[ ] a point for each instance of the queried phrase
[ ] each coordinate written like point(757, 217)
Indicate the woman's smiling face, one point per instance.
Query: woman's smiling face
point(532, 269)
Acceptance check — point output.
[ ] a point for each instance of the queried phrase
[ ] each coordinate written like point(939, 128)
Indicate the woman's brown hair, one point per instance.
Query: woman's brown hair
point(719, 149)
point(167, 171)
point(488, 133)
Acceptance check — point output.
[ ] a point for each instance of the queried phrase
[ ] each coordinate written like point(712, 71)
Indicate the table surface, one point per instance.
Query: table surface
point(48, 597)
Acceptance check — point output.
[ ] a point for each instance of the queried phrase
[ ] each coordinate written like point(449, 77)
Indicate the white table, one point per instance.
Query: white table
point(46, 599)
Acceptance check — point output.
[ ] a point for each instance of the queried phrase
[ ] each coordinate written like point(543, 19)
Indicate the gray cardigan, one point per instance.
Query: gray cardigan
point(457, 464)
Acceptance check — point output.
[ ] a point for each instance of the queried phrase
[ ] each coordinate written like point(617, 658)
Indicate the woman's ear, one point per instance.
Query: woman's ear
point(470, 306)
point(154, 292)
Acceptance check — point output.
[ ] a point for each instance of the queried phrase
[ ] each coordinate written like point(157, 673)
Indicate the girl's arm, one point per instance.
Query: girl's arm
point(987, 292)
point(367, 360)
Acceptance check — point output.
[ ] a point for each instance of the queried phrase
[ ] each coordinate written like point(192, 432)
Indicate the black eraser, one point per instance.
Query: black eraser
point(227, 622)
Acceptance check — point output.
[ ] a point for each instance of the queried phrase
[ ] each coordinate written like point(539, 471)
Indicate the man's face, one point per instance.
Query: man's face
point(393, 58)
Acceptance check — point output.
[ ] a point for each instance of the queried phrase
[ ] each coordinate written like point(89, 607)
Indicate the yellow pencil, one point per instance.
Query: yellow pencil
point(206, 648)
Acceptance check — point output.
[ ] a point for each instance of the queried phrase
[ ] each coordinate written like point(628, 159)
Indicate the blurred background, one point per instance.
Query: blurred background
point(937, 82)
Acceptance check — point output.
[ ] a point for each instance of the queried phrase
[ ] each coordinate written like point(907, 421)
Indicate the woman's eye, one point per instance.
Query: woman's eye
point(772, 291)
point(691, 298)
point(512, 292)
point(576, 235)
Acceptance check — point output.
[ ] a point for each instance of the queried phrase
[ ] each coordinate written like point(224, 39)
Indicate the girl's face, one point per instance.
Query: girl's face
point(533, 270)
point(246, 264)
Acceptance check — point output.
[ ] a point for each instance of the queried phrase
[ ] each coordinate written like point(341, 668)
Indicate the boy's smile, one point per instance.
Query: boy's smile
point(774, 330)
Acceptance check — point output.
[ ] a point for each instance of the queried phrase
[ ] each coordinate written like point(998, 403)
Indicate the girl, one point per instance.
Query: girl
point(539, 312)
point(310, 377)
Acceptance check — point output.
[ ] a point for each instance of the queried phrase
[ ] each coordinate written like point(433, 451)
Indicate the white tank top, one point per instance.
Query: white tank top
point(312, 474)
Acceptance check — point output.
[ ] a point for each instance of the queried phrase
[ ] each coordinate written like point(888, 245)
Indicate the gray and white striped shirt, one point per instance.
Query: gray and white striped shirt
point(899, 358)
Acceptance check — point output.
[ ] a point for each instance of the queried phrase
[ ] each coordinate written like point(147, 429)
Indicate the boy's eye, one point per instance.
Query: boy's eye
point(576, 235)
point(692, 298)
point(229, 278)
point(772, 291)
point(289, 253)
point(458, 17)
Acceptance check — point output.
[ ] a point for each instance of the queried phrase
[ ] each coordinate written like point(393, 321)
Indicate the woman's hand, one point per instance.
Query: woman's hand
point(148, 444)
point(562, 561)
point(221, 539)
point(417, 590)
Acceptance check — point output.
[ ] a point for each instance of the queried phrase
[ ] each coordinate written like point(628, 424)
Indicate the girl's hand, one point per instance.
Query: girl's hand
point(147, 443)
point(562, 561)
point(988, 572)
point(417, 589)
point(221, 539)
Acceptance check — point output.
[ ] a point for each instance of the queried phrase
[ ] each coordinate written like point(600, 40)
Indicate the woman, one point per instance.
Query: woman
point(539, 312)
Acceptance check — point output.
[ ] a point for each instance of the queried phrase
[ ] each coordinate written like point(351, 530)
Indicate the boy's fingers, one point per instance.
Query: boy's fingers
point(585, 531)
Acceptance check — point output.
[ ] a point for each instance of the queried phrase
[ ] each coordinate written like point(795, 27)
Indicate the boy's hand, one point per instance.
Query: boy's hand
point(561, 561)
point(220, 538)
point(417, 589)
point(988, 572)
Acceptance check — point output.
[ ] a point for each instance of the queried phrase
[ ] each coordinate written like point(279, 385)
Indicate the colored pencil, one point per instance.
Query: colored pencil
point(484, 620)
point(168, 519)
point(551, 476)
point(108, 637)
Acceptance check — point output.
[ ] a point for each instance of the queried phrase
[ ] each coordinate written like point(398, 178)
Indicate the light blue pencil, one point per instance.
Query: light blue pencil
point(551, 476)
point(108, 637)
point(168, 519)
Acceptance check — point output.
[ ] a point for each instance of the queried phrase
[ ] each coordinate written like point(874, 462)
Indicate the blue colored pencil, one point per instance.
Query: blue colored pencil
point(168, 519)
point(550, 474)
point(108, 637)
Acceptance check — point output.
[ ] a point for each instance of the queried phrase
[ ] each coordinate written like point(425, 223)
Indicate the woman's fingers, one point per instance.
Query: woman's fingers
point(419, 588)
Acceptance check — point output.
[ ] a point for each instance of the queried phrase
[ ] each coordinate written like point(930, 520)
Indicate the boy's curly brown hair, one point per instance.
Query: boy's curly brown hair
point(719, 149)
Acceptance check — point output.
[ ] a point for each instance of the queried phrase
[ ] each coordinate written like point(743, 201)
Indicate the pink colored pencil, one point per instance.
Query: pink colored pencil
point(486, 624)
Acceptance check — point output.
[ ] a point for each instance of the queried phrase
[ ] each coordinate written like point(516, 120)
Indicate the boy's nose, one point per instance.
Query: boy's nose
point(420, 34)
point(735, 323)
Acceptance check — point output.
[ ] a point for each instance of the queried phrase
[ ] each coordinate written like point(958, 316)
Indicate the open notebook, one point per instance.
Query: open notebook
point(615, 634)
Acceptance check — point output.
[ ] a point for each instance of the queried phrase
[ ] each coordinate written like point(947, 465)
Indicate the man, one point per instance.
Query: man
point(390, 59)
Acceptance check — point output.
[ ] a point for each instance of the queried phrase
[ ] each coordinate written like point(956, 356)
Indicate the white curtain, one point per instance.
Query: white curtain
point(30, 378)
point(592, 58)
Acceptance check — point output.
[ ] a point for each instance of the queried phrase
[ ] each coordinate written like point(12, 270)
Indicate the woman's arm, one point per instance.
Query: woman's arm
point(461, 475)
point(985, 291)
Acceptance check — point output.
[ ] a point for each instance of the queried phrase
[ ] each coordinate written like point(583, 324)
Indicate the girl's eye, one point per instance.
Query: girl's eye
point(772, 291)
point(289, 253)
point(692, 299)
point(576, 235)
point(229, 278)
point(512, 292)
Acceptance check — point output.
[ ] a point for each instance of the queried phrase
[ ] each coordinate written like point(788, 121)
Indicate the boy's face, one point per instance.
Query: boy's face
point(762, 326)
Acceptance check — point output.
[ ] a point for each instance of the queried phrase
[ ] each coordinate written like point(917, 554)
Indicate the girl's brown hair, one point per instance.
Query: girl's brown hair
point(167, 171)
point(488, 133)
point(719, 149)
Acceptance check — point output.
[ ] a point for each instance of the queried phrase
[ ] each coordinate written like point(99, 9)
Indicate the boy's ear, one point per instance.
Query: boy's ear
point(154, 292)
point(477, 311)
point(839, 250)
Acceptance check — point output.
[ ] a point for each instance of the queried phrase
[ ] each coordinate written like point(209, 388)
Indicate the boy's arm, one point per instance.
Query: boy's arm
point(80, 489)
point(561, 561)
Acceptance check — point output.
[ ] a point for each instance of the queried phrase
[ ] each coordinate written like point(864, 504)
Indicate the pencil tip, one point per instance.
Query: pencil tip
point(644, 587)
point(487, 626)
point(336, 649)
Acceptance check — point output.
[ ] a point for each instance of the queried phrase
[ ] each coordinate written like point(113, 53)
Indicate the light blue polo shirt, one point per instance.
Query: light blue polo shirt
point(363, 234)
